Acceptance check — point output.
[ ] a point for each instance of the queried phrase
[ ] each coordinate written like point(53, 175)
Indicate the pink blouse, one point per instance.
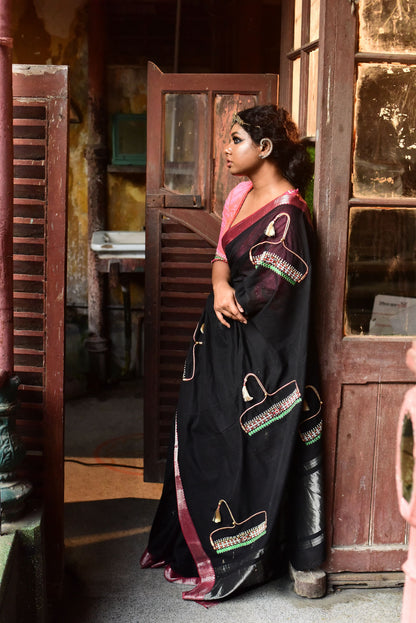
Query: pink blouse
point(232, 206)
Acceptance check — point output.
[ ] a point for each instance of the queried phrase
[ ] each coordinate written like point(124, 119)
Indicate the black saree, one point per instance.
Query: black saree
point(243, 489)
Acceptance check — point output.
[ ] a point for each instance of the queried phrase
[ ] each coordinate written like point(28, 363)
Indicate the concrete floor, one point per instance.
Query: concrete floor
point(108, 513)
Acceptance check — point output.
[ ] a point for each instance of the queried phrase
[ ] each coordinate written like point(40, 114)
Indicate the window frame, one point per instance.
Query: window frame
point(289, 54)
point(361, 58)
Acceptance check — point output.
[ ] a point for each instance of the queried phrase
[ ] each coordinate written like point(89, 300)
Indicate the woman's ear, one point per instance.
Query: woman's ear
point(266, 148)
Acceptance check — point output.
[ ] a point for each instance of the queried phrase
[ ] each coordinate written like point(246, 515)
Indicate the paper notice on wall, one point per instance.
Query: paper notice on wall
point(393, 315)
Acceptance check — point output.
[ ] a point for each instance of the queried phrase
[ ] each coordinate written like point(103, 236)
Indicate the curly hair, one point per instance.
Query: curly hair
point(288, 151)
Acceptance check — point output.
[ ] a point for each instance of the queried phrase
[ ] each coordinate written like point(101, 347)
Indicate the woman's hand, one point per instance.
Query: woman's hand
point(225, 302)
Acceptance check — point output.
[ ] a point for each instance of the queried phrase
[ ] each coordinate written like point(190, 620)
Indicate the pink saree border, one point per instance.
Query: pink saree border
point(290, 197)
point(203, 563)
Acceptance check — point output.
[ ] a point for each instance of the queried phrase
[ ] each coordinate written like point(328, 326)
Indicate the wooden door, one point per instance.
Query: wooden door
point(40, 135)
point(188, 124)
point(366, 255)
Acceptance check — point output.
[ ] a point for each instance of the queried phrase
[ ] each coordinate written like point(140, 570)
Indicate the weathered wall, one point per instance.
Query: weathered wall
point(126, 201)
point(51, 32)
point(47, 32)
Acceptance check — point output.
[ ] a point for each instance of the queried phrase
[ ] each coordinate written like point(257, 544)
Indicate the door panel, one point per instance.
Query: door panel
point(389, 526)
point(366, 249)
point(366, 516)
point(40, 129)
point(189, 118)
point(353, 479)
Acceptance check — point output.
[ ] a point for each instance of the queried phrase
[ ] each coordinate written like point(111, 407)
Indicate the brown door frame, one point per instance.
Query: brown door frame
point(355, 360)
point(47, 86)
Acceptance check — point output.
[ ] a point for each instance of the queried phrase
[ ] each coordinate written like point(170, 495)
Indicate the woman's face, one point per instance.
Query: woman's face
point(242, 153)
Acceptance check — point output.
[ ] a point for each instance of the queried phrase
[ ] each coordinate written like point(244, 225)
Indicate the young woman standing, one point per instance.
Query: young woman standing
point(242, 496)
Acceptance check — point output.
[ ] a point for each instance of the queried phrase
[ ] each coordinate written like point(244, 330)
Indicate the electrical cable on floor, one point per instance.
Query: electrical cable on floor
point(102, 464)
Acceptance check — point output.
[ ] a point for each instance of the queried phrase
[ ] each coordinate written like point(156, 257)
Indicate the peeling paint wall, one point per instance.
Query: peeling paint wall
point(47, 32)
point(126, 201)
point(51, 32)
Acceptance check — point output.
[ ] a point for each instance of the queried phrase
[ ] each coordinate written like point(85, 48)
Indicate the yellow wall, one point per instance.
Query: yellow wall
point(126, 193)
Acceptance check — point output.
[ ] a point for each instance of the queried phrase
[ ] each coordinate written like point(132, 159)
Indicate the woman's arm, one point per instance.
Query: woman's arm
point(225, 303)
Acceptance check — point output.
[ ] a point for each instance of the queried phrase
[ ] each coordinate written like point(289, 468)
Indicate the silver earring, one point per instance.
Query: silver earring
point(266, 144)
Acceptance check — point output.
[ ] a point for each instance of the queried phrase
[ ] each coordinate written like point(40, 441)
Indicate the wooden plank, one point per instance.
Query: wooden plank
point(153, 469)
point(28, 122)
point(370, 360)
point(55, 332)
point(388, 525)
point(46, 81)
point(28, 181)
point(40, 101)
point(365, 580)
point(34, 278)
point(28, 295)
point(28, 258)
point(366, 559)
point(354, 467)
point(286, 44)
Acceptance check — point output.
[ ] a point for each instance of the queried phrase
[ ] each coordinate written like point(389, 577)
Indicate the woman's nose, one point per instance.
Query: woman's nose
point(228, 148)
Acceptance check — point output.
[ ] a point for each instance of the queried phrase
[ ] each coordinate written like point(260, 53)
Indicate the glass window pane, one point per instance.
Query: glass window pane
point(297, 25)
point(312, 92)
point(185, 136)
point(387, 25)
point(295, 89)
point(385, 151)
point(381, 272)
point(225, 105)
point(314, 20)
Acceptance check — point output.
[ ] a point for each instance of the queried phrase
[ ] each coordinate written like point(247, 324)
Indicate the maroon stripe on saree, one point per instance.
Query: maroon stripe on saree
point(203, 563)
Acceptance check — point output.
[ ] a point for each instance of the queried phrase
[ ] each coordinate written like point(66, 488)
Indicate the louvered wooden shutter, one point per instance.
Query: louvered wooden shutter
point(40, 117)
point(185, 282)
point(29, 278)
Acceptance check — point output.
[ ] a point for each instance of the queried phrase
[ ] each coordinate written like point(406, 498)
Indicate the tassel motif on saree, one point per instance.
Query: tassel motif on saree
point(278, 265)
point(310, 429)
point(277, 257)
point(246, 395)
point(312, 435)
point(270, 230)
point(239, 534)
point(190, 362)
point(283, 400)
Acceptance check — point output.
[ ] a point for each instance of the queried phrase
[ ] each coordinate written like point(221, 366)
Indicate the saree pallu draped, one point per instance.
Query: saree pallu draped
point(243, 488)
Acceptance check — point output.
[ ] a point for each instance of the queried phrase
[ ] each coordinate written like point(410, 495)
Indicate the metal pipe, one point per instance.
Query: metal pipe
point(96, 155)
point(6, 190)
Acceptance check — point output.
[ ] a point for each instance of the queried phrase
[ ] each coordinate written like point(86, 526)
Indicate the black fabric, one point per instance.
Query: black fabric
point(262, 456)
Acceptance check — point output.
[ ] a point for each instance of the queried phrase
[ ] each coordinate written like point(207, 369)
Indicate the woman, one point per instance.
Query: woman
point(242, 494)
